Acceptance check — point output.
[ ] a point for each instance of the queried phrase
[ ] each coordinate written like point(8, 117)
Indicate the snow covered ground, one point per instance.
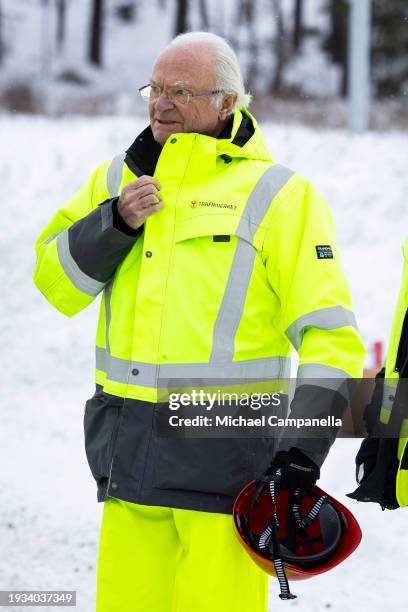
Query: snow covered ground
point(49, 518)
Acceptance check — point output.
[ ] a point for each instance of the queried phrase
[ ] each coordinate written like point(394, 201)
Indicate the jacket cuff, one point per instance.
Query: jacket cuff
point(120, 224)
point(311, 401)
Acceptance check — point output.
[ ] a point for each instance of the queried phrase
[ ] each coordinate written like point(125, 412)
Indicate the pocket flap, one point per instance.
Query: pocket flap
point(211, 225)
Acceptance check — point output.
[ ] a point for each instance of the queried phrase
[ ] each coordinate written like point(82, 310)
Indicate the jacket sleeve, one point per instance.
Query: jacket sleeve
point(305, 271)
point(80, 248)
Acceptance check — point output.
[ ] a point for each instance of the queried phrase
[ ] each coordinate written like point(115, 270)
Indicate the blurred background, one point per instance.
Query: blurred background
point(61, 57)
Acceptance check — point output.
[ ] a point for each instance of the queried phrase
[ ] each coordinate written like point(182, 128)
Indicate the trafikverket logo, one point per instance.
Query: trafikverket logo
point(202, 203)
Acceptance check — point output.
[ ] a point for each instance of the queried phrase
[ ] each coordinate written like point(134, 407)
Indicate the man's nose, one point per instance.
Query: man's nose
point(163, 102)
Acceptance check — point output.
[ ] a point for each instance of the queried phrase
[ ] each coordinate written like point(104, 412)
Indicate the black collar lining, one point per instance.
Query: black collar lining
point(143, 154)
point(245, 131)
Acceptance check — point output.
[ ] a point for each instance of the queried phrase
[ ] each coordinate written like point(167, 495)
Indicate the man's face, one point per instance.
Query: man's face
point(190, 68)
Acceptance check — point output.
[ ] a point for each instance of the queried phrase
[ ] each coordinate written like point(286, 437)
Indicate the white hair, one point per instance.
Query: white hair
point(228, 77)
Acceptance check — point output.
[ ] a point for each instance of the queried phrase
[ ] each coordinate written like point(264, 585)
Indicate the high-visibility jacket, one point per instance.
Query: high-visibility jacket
point(239, 267)
point(396, 366)
point(382, 460)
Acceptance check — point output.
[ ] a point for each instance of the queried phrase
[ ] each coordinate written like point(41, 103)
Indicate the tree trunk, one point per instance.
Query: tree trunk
point(181, 17)
point(205, 22)
point(46, 46)
point(298, 25)
point(1, 35)
point(61, 14)
point(246, 10)
point(253, 50)
point(96, 33)
point(338, 25)
point(345, 69)
point(278, 47)
point(336, 42)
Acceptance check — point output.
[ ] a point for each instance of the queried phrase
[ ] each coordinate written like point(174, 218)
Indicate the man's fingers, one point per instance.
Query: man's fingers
point(140, 199)
point(141, 181)
point(148, 200)
point(145, 190)
point(150, 211)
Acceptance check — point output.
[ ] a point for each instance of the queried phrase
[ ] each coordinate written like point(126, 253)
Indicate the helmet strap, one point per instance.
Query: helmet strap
point(305, 521)
point(274, 549)
point(269, 539)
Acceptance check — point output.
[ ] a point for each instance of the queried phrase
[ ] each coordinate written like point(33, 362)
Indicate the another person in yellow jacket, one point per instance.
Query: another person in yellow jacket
point(213, 261)
point(382, 461)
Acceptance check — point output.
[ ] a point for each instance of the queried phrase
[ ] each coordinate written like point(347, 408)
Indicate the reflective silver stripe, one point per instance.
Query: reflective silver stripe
point(267, 188)
point(232, 305)
point(233, 301)
point(160, 375)
point(324, 318)
point(114, 175)
point(388, 399)
point(325, 376)
point(106, 217)
point(54, 235)
point(389, 395)
point(108, 294)
point(82, 281)
point(102, 359)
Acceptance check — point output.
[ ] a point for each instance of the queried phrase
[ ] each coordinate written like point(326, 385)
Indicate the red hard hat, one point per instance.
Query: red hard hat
point(314, 532)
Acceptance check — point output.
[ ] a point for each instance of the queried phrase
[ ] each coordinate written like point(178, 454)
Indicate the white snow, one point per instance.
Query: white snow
point(49, 518)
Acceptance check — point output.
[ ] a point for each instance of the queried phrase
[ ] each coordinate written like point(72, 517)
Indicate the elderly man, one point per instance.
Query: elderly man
point(212, 261)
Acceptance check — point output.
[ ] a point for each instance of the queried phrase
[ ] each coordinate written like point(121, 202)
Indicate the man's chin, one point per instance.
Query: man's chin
point(162, 131)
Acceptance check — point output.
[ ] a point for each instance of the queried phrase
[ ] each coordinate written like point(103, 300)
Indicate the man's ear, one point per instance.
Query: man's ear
point(227, 105)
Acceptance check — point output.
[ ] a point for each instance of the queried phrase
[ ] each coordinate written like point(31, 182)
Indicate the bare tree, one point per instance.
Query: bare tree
point(246, 16)
point(246, 11)
point(1, 35)
point(279, 48)
point(249, 9)
point(298, 25)
point(181, 17)
point(61, 15)
point(96, 33)
point(205, 22)
point(389, 47)
point(45, 39)
point(336, 41)
point(128, 10)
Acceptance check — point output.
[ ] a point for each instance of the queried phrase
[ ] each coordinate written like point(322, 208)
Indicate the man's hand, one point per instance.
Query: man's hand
point(140, 199)
point(296, 471)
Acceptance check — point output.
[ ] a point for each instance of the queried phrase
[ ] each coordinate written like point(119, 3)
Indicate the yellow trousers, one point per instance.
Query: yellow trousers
point(156, 559)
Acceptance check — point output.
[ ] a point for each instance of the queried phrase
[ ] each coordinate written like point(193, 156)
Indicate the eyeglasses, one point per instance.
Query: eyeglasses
point(177, 95)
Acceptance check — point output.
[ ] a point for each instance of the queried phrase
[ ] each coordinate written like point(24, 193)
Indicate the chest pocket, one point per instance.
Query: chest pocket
point(221, 231)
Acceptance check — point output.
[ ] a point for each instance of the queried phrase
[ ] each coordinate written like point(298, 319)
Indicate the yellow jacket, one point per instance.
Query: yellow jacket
point(239, 267)
point(222, 283)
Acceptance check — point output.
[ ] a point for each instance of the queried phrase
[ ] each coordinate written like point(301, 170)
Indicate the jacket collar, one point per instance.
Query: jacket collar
point(241, 137)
